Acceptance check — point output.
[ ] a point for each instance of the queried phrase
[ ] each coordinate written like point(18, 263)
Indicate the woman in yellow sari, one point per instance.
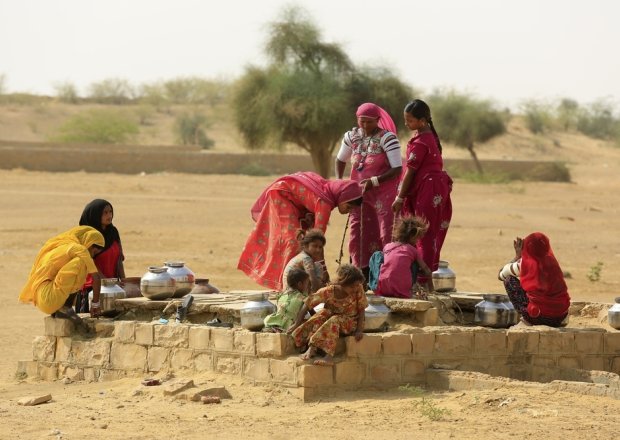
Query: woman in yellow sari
point(60, 268)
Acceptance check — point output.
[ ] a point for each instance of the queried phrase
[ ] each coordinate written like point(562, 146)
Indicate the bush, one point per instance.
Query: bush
point(538, 117)
point(190, 130)
point(66, 92)
point(111, 91)
point(599, 121)
point(99, 127)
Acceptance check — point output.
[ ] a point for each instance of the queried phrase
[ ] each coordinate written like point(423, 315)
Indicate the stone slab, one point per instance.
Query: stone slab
point(34, 400)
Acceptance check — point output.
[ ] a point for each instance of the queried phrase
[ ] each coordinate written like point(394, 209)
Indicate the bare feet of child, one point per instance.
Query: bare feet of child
point(310, 352)
point(326, 361)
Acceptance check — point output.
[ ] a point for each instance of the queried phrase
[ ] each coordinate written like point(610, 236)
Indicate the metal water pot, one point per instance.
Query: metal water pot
point(110, 291)
point(376, 314)
point(157, 284)
point(495, 310)
point(255, 310)
point(183, 276)
point(444, 278)
point(613, 315)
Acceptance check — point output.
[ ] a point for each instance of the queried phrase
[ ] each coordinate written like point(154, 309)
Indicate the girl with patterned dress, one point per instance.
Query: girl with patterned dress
point(343, 313)
point(425, 187)
point(297, 200)
point(376, 162)
point(535, 283)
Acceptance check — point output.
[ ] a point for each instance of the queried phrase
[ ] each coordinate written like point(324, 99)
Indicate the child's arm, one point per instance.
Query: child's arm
point(428, 274)
point(299, 320)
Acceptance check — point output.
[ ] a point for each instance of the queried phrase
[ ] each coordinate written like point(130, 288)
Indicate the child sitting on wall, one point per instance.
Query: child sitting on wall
point(311, 259)
point(396, 274)
point(289, 302)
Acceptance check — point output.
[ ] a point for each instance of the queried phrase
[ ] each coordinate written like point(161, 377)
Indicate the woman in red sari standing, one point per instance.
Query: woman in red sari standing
point(297, 201)
point(425, 187)
point(376, 163)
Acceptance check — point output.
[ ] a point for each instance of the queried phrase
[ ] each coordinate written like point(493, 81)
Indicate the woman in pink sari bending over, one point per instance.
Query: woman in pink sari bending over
point(376, 163)
point(297, 201)
point(425, 187)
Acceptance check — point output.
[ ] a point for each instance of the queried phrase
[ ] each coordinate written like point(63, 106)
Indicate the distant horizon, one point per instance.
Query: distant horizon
point(508, 52)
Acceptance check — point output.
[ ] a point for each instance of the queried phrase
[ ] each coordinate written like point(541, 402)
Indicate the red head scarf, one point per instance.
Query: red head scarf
point(542, 278)
point(371, 110)
point(333, 192)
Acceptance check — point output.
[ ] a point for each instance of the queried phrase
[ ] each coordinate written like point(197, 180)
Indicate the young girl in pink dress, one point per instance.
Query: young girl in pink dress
point(376, 162)
point(395, 276)
point(425, 187)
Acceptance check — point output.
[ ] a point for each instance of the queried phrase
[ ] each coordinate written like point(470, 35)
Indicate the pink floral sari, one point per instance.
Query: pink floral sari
point(278, 214)
point(429, 196)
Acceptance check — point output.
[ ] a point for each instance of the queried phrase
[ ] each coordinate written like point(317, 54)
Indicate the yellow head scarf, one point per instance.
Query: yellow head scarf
point(55, 254)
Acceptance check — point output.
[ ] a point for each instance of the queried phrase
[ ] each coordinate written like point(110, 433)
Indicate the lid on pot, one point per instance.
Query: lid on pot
point(617, 299)
point(109, 282)
point(443, 263)
point(495, 297)
point(257, 297)
point(174, 263)
point(157, 269)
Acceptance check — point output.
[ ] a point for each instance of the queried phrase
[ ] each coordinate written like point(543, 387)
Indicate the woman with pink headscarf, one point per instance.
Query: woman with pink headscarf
point(376, 163)
point(297, 201)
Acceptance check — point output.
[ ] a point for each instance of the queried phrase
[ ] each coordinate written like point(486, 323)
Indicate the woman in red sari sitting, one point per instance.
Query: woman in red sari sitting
point(535, 283)
point(425, 187)
point(99, 214)
point(300, 200)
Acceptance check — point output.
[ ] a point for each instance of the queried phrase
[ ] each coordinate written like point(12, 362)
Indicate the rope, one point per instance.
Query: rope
point(344, 235)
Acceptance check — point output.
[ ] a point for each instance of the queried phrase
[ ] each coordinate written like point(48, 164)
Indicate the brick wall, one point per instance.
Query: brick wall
point(125, 348)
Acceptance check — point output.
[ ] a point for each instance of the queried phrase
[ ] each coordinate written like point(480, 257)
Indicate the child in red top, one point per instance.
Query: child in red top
point(395, 275)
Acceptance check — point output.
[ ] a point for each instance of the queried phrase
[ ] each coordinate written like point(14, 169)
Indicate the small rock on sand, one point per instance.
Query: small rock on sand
point(34, 400)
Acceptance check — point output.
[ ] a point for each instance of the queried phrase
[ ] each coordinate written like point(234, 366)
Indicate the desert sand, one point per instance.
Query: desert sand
point(204, 220)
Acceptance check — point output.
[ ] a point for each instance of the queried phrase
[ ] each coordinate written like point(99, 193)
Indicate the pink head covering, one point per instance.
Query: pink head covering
point(371, 110)
point(333, 192)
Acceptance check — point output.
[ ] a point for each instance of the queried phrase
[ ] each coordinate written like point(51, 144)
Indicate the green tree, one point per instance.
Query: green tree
point(66, 92)
point(567, 113)
point(99, 127)
point(466, 121)
point(308, 94)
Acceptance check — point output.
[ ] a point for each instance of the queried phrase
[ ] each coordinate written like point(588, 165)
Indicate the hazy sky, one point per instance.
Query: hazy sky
point(505, 49)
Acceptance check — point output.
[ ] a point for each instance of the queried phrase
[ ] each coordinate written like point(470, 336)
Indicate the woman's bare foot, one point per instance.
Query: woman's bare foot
point(325, 361)
point(310, 352)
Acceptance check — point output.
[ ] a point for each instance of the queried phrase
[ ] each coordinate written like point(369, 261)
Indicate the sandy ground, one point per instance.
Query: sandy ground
point(204, 221)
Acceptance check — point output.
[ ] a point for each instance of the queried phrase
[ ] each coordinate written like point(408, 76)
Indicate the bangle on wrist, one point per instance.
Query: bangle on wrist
point(399, 199)
point(95, 304)
point(374, 180)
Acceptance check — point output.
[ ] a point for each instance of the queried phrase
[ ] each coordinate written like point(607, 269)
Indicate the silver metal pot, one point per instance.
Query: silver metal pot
point(110, 291)
point(254, 311)
point(613, 315)
point(157, 284)
point(376, 314)
point(495, 310)
point(444, 278)
point(183, 276)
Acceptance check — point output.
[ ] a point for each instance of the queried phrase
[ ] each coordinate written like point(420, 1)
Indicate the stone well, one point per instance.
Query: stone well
point(118, 348)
